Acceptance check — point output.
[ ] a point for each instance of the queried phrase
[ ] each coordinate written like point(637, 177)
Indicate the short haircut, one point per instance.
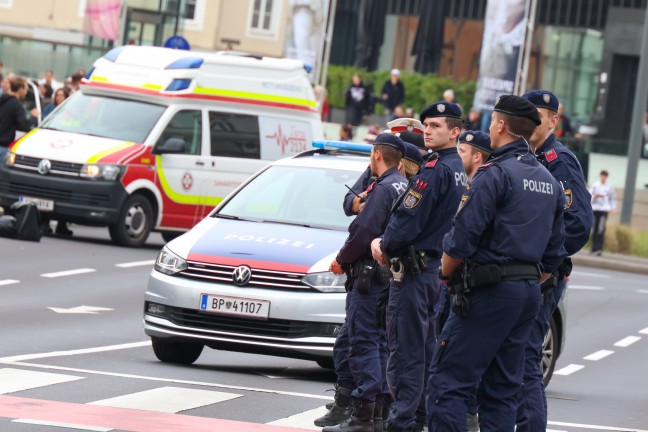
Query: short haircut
point(453, 122)
point(390, 155)
point(17, 83)
point(484, 153)
point(48, 90)
point(521, 126)
point(604, 173)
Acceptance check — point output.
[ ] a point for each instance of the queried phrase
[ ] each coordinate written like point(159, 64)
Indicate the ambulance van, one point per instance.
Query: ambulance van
point(156, 137)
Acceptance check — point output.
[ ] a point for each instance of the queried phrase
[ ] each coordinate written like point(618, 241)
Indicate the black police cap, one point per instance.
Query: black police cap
point(477, 139)
point(413, 138)
point(390, 140)
point(542, 99)
point(412, 153)
point(517, 107)
point(441, 109)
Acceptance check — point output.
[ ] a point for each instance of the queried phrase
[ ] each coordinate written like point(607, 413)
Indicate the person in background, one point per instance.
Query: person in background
point(46, 92)
point(12, 114)
point(393, 94)
point(373, 131)
point(346, 132)
point(449, 96)
point(399, 112)
point(603, 202)
point(357, 99)
point(75, 82)
point(4, 85)
point(59, 96)
point(473, 121)
point(320, 96)
point(563, 128)
point(48, 78)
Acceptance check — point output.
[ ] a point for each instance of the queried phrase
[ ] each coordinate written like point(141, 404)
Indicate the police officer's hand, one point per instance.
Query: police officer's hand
point(357, 205)
point(336, 268)
point(377, 253)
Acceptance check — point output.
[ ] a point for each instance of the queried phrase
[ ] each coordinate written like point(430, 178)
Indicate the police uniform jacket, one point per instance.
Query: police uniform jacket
point(563, 165)
point(360, 186)
point(424, 212)
point(513, 210)
point(371, 221)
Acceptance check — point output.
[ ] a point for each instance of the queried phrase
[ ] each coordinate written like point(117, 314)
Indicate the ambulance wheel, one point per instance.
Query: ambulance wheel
point(170, 351)
point(134, 224)
point(549, 352)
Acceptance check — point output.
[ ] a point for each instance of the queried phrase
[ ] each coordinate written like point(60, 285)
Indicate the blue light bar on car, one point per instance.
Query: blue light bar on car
point(89, 74)
point(342, 145)
point(114, 53)
point(186, 63)
point(179, 84)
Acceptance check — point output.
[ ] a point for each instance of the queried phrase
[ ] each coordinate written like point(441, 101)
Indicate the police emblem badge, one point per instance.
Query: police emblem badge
point(546, 98)
point(469, 137)
point(440, 108)
point(569, 198)
point(412, 199)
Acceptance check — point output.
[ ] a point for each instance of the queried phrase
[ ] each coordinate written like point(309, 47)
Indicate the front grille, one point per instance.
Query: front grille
point(56, 194)
point(249, 326)
point(259, 279)
point(59, 168)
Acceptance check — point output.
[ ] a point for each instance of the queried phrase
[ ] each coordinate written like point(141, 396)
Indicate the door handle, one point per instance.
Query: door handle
point(200, 163)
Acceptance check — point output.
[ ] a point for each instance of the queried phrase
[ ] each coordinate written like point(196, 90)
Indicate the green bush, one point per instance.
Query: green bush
point(420, 90)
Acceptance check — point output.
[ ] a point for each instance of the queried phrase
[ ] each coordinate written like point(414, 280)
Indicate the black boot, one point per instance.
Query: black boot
point(340, 410)
point(386, 409)
point(378, 418)
point(361, 419)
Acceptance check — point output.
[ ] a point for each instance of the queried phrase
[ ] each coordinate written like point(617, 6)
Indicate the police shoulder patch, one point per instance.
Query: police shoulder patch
point(569, 198)
point(412, 199)
point(551, 155)
point(432, 163)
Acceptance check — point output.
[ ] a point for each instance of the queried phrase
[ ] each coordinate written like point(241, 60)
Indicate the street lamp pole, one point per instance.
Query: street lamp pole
point(636, 138)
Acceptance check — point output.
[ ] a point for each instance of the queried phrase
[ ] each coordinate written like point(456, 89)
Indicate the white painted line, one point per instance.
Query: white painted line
point(167, 399)
point(595, 275)
point(644, 331)
point(74, 352)
point(8, 282)
point(136, 264)
point(68, 273)
point(585, 287)
point(627, 341)
point(62, 425)
point(172, 381)
point(303, 420)
point(596, 427)
point(13, 380)
point(598, 355)
point(569, 369)
point(556, 430)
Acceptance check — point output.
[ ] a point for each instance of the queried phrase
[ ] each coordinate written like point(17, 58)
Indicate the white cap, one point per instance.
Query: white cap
point(395, 72)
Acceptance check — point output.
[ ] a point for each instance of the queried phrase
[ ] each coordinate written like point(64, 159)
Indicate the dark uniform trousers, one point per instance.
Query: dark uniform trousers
point(412, 311)
point(487, 343)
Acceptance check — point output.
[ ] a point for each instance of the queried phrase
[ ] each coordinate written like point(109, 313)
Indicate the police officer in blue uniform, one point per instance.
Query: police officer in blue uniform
point(507, 236)
point(412, 244)
point(355, 198)
point(367, 280)
point(564, 167)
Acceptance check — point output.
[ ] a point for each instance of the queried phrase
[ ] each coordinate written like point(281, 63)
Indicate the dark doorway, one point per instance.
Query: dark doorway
point(620, 98)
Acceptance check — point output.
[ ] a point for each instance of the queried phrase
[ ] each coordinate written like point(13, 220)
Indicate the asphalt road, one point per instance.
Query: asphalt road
point(74, 355)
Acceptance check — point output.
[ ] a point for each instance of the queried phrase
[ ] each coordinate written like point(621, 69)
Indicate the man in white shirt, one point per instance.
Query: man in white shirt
point(603, 202)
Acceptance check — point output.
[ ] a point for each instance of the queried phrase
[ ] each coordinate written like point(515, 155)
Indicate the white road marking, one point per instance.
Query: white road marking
point(596, 275)
point(8, 282)
point(627, 341)
point(13, 380)
point(136, 264)
point(80, 310)
point(68, 273)
point(585, 287)
point(556, 430)
point(598, 355)
point(63, 425)
point(569, 369)
point(24, 357)
point(596, 427)
point(167, 399)
point(303, 420)
point(644, 331)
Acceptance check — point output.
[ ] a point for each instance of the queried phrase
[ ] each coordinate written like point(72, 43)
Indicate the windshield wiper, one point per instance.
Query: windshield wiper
point(289, 223)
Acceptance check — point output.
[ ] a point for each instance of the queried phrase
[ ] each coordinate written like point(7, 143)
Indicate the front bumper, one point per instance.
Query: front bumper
point(86, 202)
point(302, 323)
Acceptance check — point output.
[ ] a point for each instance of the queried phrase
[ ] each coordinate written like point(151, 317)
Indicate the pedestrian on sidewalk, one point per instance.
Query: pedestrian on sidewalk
point(603, 202)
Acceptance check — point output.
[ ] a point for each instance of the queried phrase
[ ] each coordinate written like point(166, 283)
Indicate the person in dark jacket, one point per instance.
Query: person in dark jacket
point(393, 93)
point(357, 100)
point(12, 114)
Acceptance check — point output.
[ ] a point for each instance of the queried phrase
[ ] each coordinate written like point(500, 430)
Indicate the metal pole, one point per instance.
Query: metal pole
point(522, 54)
point(327, 50)
point(636, 138)
point(527, 47)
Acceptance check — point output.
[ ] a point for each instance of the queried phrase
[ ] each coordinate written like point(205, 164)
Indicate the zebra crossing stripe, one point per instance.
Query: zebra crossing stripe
point(302, 420)
point(13, 380)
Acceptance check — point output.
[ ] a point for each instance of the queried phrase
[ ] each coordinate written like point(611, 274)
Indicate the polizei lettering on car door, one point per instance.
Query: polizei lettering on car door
point(538, 186)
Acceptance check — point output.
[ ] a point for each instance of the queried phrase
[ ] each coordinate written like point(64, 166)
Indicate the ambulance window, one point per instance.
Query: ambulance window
point(234, 135)
point(186, 125)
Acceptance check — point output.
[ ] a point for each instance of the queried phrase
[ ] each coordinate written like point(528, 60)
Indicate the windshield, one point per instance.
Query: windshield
point(106, 117)
point(294, 195)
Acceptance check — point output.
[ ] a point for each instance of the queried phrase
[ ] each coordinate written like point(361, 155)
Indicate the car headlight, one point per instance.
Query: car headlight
point(325, 281)
point(169, 263)
point(100, 171)
point(10, 158)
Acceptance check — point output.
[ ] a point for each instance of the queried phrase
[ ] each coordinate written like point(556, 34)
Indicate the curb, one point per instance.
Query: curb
point(612, 261)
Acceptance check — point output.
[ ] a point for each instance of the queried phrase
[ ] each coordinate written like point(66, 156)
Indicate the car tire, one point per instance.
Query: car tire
point(326, 364)
point(134, 224)
point(177, 352)
point(549, 352)
point(167, 236)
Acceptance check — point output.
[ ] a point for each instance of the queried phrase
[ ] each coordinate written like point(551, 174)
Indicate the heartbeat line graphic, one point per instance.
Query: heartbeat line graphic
point(297, 140)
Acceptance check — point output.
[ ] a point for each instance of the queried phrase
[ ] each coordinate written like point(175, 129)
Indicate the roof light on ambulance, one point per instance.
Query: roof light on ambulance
point(100, 171)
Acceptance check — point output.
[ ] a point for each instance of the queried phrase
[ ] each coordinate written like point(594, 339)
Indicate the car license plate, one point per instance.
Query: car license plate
point(235, 306)
point(42, 204)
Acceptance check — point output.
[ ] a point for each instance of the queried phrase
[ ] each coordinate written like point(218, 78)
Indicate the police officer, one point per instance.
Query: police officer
point(355, 198)
point(409, 130)
point(411, 162)
point(412, 241)
point(563, 165)
point(364, 275)
point(507, 235)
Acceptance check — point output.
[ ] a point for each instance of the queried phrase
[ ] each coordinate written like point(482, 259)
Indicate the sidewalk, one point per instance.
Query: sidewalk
point(612, 261)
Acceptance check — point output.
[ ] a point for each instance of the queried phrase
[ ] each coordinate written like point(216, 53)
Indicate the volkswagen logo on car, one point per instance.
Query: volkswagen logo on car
point(44, 166)
point(242, 275)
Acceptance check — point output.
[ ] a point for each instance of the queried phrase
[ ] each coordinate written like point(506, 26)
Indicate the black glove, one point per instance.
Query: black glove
point(381, 309)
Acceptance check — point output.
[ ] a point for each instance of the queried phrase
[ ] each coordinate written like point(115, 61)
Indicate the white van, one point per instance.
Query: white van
point(156, 137)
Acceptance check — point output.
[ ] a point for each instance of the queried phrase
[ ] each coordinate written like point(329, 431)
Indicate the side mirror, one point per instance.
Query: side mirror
point(171, 145)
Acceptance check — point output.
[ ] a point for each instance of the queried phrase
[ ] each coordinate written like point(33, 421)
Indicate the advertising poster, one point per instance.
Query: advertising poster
point(305, 30)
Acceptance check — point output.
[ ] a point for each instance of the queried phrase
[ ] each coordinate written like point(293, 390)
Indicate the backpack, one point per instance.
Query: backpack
point(7, 226)
point(28, 222)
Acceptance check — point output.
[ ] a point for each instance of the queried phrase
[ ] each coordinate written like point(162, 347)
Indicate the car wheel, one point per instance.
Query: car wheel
point(134, 224)
point(326, 363)
point(549, 352)
point(170, 235)
point(170, 351)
